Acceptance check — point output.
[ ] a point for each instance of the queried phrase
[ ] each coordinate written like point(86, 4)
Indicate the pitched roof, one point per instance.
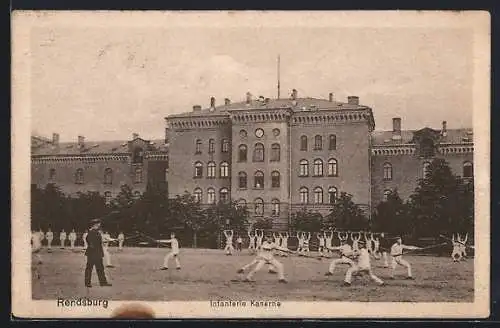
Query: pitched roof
point(92, 147)
point(453, 136)
point(299, 105)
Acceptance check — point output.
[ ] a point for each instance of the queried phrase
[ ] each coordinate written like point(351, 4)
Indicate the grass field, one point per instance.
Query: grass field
point(207, 274)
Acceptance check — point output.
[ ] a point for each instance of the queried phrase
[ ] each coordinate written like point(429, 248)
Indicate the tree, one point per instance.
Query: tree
point(306, 220)
point(391, 216)
point(345, 214)
point(129, 216)
point(85, 206)
point(185, 212)
point(263, 223)
point(442, 202)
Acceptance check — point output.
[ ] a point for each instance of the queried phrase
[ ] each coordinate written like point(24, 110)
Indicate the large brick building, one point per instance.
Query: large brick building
point(280, 155)
point(102, 166)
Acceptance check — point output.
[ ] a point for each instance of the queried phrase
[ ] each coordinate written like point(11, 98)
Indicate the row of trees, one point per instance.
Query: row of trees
point(441, 204)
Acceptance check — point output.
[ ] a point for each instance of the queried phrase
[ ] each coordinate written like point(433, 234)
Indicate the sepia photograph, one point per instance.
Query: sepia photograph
point(251, 164)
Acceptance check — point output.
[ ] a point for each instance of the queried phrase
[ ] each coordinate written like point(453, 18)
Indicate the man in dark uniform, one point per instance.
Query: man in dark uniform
point(385, 247)
point(95, 253)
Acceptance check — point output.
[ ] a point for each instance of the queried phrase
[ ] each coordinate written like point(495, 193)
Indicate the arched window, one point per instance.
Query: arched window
point(304, 168)
point(332, 142)
point(258, 153)
point(275, 152)
point(332, 195)
point(225, 145)
point(79, 178)
point(468, 170)
point(275, 179)
point(242, 203)
point(387, 171)
point(107, 197)
point(259, 207)
point(242, 153)
point(387, 192)
point(242, 180)
point(304, 195)
point(303, 143)
point(52, 174)
point(211, 146)
point(318, 168)
point(258, 180)
point(318, 142)
point(211, 168)
point(198, 195)
point(138, 155)
point(224, 170)
point(318, 195)
point(275, 204)
point(108, 176)
point(333, 168)
point(198, 146)
point(198, 170)
point(425, 169)
point(211, 196)
point(223, 195)
point(138, 175)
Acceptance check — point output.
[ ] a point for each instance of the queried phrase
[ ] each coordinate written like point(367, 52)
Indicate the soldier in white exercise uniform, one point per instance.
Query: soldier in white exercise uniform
point(456, 253)
point(42, 235)
point(328, 240)
point(362, 265)
point(36, 245)
point(277, 241)
point(321, 243)
point(229, 242)
point(385, 247)
point(463, 246)
point(239, 243)
point(369, 242)
point(265, 255)
point(259, 233)
point(397, 257)
point(174, 243)
point(284, 242)
point(106, 239)
point(50, 237)
point(300, 242)
point(346, 254)
point(62, 238)
point(72, 238)
point(376, 246)
point(84, 237)
point(355, 241)
point(121, 239)
point(305, 243)
point(251, 241)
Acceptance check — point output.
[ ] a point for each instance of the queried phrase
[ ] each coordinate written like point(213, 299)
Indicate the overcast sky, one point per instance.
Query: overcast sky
point(106, 83)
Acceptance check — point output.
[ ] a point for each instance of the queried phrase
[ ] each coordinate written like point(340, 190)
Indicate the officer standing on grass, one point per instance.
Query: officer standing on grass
point(95, 254)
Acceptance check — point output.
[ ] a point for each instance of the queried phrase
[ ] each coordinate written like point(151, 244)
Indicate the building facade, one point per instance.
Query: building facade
point(102, 166)
point(280, 155)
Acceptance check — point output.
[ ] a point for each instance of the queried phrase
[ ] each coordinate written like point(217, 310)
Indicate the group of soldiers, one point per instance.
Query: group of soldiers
point(355, 250)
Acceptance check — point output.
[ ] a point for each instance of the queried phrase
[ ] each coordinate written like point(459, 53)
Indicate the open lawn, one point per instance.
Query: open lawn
point(207, 274)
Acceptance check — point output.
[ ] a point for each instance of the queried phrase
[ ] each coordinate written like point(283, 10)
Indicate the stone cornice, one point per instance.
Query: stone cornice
point(92, 158)
point(262, 115)
point(197, 122)
point(410, 149)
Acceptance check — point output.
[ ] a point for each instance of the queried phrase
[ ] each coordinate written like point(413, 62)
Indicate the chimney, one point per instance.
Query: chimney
point(55, 139)
point(353, 100)
point(444, 131)
point(249, 97)
point(135, 136)
point(294, 94)
point(396, 128)
point(81, 141)
point(330, 97)
point(212, 102)
point(196, 108)
point(227, 101)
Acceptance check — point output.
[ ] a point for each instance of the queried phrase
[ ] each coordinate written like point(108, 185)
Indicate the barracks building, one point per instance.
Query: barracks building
point(277, 156)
